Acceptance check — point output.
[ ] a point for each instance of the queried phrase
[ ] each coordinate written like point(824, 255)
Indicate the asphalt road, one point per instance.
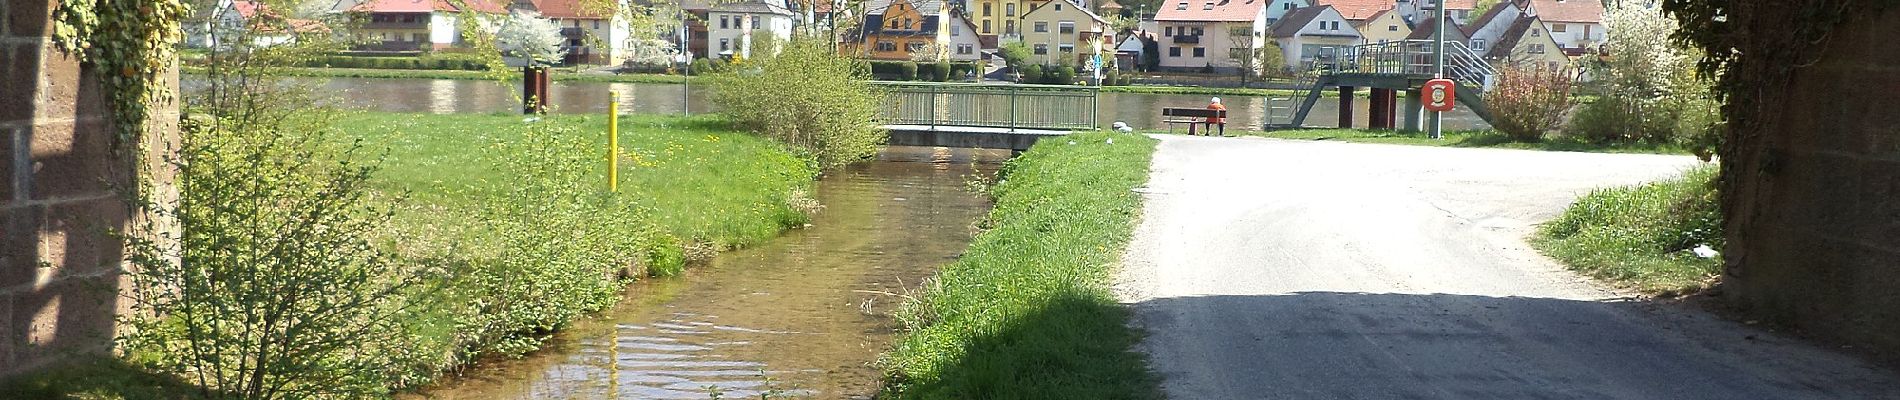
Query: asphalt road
point(1270, 269)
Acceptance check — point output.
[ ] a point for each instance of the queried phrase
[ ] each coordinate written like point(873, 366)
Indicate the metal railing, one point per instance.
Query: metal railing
point(989, 106)
point(1414, 57)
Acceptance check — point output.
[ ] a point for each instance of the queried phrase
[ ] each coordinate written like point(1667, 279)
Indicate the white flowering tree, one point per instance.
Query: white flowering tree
point(1648, 87)
point(528, 37)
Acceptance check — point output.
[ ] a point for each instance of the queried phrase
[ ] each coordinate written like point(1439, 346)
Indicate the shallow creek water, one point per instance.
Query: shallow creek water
point(802, 315)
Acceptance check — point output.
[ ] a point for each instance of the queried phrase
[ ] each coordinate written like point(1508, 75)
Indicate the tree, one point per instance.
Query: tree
point(1015, 53)
point(528, 36)
point(809, 98)
point(1648, 88)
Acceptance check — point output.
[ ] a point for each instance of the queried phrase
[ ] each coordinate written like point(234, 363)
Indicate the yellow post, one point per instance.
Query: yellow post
point(613, 142)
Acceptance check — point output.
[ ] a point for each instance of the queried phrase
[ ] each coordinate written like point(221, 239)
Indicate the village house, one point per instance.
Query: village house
point(1377, 20)
point(898, 30)
point(1063, 32)
point(732, 26)
point(1315, 35)
point(1483, 33)
point(1576, 25)
point(416, 25)
point(1455, 32)
point(1525, 43)
point(965, 43)
point(1277, 9)
point(592, 36)
point(1000, 18)
point(229, 19)
point(1204, 34)
point(1418, 11)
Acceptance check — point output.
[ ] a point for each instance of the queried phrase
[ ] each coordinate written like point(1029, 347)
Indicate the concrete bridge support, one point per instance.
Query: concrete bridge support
point(64, 177)
point(1414, 111)
point(1345, 106)
point(1384, 109)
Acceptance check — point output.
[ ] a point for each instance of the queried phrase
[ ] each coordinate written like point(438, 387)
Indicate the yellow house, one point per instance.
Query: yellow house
point(900, 29)
point(1062, 30)
point(1381, 26)
point(1526, 44)
point(1001, 17)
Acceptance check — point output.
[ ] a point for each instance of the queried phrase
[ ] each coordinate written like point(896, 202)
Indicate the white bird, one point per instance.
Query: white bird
point(1705, 251)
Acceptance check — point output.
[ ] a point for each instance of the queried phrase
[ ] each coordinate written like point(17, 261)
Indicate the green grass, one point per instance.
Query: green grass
point(1026, 313)
point(702, 179)
point(467, 75)
point(95, 378)
point(1639, 237)
point(1466, 138)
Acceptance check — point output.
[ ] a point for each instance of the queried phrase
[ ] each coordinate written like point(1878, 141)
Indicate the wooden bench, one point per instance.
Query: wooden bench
point(1192, 117)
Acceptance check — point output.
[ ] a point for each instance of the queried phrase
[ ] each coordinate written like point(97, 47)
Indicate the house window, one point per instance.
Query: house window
point(1198, 31)
point(1237, 32)
point(1537, 32)
point(724, 23)
point(1042, 26)
point(1009, 27)
point(1287, 6)
point(1058, 7)
point(1066, 28)
point(1174, 52)
point(894, 23)
point(965, 49)
point(725, 44)
point(1207, 6)
point(1066, 48)
point(755, 22)
point(1168, 31)
point(1182, 6)
point(1477, 44)
point(1042, 48)
point(913, 47)
point(956, 29)
point(1009, 9)
point(1558, 28)
point(883, 46)
point(596, 24)
point(1200, 52)
point(908, 24)
point(986, 27)
point(1392, 28)
point(1537, 48)
point(986, 9)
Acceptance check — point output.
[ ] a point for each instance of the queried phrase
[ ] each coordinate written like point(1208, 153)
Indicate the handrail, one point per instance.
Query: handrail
point(1414, 57)
point(996, 106)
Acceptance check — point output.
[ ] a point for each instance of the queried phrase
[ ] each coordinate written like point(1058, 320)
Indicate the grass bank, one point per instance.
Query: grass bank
point(1467, 138)
point(1026, 313)
point(1641, 237)
point(516, 218)
point(466, 75)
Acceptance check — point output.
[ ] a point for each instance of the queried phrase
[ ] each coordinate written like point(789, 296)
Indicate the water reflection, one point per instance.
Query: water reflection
point(802, 315)
point(450, 96)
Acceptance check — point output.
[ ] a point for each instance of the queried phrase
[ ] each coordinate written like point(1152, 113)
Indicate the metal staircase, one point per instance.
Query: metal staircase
point(1392, 65)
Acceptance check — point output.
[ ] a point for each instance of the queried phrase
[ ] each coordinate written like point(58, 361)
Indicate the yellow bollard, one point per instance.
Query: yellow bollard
point(613, 142)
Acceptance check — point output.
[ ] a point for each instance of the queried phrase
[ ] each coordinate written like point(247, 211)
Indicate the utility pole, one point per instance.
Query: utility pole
point(1438, 66)
point(686, 61)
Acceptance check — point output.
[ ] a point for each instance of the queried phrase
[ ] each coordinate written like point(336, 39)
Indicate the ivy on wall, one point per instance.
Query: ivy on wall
point(127, 44)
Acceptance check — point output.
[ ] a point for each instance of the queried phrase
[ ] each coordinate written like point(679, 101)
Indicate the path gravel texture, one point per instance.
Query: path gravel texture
point(1273, 269)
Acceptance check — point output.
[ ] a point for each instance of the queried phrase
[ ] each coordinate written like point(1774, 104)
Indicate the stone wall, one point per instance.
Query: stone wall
point(65, 189)
point(1814, 195)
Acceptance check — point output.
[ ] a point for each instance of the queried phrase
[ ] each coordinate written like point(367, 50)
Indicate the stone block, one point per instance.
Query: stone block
point(73, 159)
point(66, 91)
point(78, 237)
point(19, 253)
point(72, 315)
point(1817, 192)
point(9, 137)
point(19, 80)
point(30, 17)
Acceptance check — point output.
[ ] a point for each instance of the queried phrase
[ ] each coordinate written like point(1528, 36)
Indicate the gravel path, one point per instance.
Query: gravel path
point(1270, 269)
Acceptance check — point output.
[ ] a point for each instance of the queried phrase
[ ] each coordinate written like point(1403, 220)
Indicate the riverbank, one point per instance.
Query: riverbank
point(467, 75)
point(1642, 237)
point(1027, 312)
point(1465, 138)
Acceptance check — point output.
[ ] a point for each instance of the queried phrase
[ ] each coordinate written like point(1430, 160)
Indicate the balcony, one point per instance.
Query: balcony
point(1190, 39)
point(573, 33)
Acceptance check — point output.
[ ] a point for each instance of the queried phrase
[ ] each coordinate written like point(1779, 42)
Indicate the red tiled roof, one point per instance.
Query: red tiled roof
point(1198, 10)
point(1581, 11)
point(567, 9)
point(1358, 10)
point(1461, 4)
point(423, 6)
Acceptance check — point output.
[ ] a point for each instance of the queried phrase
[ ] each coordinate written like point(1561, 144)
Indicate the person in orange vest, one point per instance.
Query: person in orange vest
point(1216, 121)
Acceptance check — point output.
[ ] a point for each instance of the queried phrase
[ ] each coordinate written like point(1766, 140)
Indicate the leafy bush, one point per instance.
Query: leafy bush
point(907, 71)
point(700, 67)
point(1648, 92)
point(1061, 75)
point(1015, 53)
point(1529, 101)
point(807, 97)
point(1113, 78)
point(1032, 73)
point(943, 71)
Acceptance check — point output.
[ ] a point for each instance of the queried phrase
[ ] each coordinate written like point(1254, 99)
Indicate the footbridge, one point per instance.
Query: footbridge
point(983, 116)
point(1385, 68)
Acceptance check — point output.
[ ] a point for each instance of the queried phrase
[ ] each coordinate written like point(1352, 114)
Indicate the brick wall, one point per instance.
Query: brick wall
point(63, 193)
point(1814, 207)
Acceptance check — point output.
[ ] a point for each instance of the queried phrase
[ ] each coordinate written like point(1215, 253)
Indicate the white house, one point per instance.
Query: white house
point(1205, 34)
point(1315, 35)
point(730, 25)
point(1576, 25)
point(1488, 30)
point(966, 43)
point(233, 19)
point(593, 36)
point(1277, 9)
point(411, 25)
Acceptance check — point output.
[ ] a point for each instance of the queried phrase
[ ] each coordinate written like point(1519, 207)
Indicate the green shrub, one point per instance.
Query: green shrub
point(1527, 102)
point(942, 69)
point(1640, 236)
point(1032, 73)
point(700, 66)
point(1061, 75)
point(807, 97)
point(907, 71)
point(1113, 78)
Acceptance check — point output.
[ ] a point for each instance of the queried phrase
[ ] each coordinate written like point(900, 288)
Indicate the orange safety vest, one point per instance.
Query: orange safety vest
point(1216, 106)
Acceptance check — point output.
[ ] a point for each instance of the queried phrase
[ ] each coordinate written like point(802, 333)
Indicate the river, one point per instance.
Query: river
point(805, 314)
point(443, 96)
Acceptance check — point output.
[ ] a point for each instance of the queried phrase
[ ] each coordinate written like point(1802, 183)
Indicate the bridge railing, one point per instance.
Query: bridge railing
point(989, 106)
point(1414, 57)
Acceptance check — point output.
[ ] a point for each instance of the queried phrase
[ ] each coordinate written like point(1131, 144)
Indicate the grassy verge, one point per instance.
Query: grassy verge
point(1026, 313)
point(95, 378)
point(1640, 237)
point(1470, 138)
point(466, 75)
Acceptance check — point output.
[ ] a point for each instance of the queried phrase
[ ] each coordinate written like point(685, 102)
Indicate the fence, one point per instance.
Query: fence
point(990, 106)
